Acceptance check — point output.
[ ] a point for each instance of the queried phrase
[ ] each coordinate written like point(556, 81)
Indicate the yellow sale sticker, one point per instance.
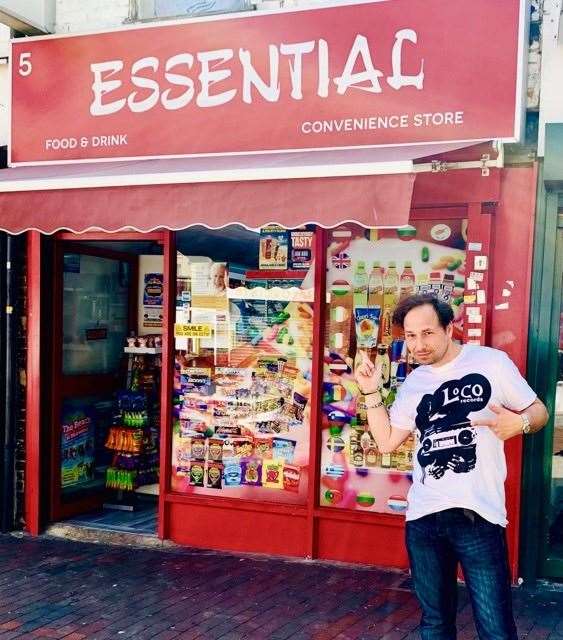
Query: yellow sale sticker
point(193, 330)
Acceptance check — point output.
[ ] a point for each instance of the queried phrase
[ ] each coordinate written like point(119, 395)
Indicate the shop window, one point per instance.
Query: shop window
point(368, 272)
point(242, 378)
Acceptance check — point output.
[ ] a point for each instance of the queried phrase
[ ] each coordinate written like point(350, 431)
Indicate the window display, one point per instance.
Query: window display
point(243, 370)
point(368, 272)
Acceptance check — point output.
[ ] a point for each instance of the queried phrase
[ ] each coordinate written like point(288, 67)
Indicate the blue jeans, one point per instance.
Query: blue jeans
point(436, 543)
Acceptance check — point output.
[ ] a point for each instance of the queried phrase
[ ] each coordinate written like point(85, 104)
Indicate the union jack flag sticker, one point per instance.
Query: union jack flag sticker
point(341, 261)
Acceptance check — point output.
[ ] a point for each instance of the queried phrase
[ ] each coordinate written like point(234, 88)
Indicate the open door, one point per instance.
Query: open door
point(94, 298)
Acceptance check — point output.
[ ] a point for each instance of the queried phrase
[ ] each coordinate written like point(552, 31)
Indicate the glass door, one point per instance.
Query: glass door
point(91, 321)
point(552, 560)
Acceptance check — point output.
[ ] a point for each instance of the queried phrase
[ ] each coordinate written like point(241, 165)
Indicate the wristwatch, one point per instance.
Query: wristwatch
point(526, 428)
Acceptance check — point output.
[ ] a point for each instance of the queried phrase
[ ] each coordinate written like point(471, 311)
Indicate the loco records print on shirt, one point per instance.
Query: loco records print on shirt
point(447, 440)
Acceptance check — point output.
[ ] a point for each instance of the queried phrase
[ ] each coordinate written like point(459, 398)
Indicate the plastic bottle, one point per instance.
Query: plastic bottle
point(383, 359)
point(390, 298)
point(407, 283)
point(375, 286)
point(360, 285)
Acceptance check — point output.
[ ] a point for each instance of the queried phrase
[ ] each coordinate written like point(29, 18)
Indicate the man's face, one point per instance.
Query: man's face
point(219, 277)
point(426, 339)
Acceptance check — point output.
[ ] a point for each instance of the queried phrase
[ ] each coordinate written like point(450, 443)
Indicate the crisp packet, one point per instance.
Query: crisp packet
point(291, 477)
point(252, 472)
point(272, 474)
point(214, 475)
point(367, 326)
point(197, 474)
point(243, 446)
point(215, 449)
point(263, 447)
point(197, 448)
point(283, 448)
point(232, 472)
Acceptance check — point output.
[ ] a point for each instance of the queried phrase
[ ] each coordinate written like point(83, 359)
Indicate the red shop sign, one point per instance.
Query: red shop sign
point(373, 74)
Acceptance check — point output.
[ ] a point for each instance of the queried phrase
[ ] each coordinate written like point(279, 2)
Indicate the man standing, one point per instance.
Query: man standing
point(463, 402)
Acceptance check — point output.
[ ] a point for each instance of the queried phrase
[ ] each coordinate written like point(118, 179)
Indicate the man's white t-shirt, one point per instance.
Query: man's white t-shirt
point(455, 464)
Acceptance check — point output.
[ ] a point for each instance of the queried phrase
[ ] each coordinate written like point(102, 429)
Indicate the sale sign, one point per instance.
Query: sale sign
point(383, 73)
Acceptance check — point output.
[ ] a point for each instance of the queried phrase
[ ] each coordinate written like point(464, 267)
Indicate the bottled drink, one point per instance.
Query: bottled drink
point(360, 285)
point(390, 298)
point(375, 286)
point(382, 359)
point(407, 281)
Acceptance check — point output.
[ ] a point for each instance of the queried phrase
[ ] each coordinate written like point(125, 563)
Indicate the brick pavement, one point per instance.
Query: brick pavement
point(52, 588)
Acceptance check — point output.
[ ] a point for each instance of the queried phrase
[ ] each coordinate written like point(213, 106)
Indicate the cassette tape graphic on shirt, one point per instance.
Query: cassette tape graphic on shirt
point(447, 440)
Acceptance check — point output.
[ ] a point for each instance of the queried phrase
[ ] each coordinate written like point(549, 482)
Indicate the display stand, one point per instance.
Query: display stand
point(134, 436)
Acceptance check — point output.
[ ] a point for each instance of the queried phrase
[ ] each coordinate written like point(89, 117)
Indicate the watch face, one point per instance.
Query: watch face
point(525, 424)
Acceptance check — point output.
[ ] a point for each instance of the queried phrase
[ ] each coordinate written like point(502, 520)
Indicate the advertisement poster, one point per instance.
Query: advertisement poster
point(241, 417)
point(274, 242)
point(368, 272)
point(77, 446)
point(153, 293)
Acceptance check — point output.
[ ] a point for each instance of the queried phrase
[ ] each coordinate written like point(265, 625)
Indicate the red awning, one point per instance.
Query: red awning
point(370, 187)
point(369, 200)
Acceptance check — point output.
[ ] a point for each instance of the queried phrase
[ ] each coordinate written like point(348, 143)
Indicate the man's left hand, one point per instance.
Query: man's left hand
point(506, 424)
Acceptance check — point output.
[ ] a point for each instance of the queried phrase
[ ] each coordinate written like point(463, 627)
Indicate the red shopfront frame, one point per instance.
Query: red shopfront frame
point(500, 210)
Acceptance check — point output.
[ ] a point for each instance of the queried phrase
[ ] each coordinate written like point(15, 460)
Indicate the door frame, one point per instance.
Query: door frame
point(39, 273)
point(547, 296)
point(62, 385)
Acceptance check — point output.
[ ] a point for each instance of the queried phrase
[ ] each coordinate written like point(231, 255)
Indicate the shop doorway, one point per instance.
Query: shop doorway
point(542, 524)
point(107, 321)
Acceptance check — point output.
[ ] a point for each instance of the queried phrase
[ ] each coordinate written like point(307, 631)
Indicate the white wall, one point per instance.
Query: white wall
point(35, 13)
point(75, 16)
point(551, 92)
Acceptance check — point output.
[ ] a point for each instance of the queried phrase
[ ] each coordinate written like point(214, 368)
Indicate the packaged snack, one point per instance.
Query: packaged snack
point(300, 402)
point(291, 477)
point(252, 472)
point(263, 447)
point(197, 448)
point(197, 474)
point(272, 474)
point(183, 453)
point(367, 326)
point(243, 447)
point(215, 449)
point(232, 472)
point(214, 475)
point(283, 448)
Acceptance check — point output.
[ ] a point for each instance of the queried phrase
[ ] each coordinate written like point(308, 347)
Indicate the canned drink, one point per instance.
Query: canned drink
point(396, 350)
